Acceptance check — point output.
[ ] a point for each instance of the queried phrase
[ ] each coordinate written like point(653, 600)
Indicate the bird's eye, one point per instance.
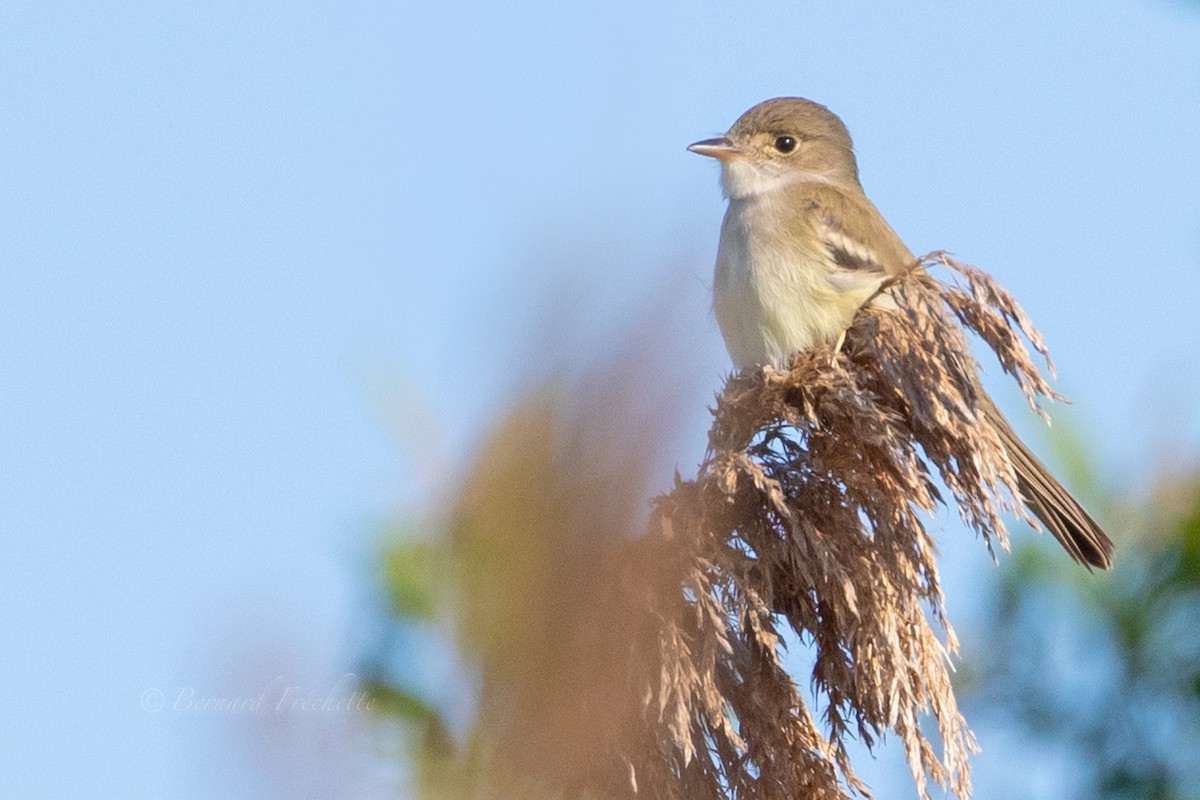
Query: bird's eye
point(785, 144)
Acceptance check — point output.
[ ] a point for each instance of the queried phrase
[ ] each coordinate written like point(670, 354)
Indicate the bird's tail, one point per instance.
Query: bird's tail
point(1061, 513)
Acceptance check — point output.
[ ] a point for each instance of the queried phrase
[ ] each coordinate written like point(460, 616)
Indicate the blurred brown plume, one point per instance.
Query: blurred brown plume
point(616, 661)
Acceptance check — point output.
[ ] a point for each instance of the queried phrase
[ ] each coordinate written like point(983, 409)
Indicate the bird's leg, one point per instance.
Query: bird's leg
point(837, 348)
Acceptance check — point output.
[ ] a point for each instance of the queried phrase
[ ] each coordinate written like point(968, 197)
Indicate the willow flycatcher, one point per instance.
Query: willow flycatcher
point(803, 248)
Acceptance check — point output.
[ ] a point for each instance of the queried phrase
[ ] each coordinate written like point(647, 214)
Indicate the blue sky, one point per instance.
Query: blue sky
point(267, 267)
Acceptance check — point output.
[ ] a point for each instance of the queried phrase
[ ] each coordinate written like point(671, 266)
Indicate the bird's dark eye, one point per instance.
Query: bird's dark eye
point(785, 144)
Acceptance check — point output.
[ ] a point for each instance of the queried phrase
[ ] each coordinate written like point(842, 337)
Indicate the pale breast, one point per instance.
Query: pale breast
point(775, 290)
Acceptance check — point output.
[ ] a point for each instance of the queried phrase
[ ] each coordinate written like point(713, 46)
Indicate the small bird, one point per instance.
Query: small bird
point(803, 248)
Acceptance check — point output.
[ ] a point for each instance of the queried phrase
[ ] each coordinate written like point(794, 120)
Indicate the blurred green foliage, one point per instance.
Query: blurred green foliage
point(1105, 667)
point(410, 575)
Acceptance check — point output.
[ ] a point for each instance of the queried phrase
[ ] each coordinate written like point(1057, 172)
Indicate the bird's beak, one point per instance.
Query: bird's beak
point(720, 148)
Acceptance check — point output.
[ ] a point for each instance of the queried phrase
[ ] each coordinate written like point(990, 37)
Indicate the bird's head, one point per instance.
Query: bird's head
point(782, 141)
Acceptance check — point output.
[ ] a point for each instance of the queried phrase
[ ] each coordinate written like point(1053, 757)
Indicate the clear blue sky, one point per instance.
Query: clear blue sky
point(265, 267)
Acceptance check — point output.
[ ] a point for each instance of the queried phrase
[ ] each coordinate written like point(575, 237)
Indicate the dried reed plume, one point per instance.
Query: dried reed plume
point(615, 665)
point(808, 512)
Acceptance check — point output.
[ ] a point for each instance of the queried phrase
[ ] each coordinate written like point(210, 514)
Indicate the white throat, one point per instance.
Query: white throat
point(742, 178)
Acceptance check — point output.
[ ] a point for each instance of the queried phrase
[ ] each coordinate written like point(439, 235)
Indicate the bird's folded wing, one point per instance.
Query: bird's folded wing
point(856, 236)
point(855, 266)
point(846, 251)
